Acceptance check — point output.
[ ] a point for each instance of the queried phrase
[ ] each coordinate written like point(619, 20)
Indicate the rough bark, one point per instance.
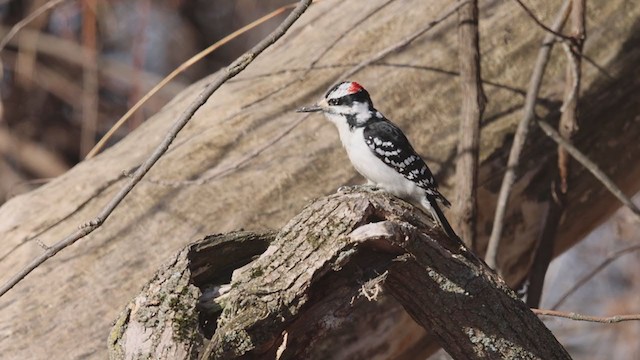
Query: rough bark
point(339, 253)
point(82, 289)
point(163, 321)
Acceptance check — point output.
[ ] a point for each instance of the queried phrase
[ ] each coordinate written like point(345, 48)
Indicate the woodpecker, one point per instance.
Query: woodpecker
point(380, 151)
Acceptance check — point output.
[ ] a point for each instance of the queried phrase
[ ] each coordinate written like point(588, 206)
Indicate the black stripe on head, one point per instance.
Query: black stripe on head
point(346, 93)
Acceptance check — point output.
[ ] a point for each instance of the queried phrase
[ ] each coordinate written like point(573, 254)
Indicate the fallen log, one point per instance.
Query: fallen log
point(285, 296)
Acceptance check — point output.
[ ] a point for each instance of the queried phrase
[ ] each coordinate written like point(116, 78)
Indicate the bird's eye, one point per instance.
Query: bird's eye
point(333, 101)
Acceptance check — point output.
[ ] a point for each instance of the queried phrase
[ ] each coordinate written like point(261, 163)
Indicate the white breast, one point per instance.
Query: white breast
point(374, 169)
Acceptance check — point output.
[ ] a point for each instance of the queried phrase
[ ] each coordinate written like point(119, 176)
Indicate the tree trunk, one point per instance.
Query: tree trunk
point(253, 178)
point(338, 254)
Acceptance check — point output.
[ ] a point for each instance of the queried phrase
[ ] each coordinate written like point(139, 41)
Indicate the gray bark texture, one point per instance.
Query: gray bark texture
point(255, 178)
point(338, 254)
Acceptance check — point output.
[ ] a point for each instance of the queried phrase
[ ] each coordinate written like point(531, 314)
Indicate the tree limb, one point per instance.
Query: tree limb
point(473, 104)
point(338, 254)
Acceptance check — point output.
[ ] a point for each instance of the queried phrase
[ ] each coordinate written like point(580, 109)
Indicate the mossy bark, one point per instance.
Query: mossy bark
point(341, 254)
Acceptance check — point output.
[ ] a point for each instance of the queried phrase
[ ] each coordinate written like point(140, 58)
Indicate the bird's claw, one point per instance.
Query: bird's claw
point(362, 187)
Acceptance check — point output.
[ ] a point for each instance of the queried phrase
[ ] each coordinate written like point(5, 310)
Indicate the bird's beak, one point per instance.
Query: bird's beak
point(312, 108)
point(322, 106)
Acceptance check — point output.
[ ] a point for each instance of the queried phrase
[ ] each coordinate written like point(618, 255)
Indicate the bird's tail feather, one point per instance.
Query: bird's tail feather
point(439, 217)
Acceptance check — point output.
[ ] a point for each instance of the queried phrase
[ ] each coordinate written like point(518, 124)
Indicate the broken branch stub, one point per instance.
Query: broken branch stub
point(341, 254)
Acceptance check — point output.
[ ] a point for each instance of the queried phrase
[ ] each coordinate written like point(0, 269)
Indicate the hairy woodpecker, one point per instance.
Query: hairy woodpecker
point(380, 151)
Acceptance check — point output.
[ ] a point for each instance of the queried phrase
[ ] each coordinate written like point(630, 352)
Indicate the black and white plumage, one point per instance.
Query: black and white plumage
point(380, 151)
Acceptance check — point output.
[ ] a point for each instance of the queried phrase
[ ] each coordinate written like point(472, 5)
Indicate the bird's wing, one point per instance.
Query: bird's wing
point(390, 145)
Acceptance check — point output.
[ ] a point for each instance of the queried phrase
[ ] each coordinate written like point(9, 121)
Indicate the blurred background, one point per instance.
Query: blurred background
point(71, 73)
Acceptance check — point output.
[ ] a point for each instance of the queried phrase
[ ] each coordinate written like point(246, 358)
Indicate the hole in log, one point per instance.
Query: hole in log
point(212, 262)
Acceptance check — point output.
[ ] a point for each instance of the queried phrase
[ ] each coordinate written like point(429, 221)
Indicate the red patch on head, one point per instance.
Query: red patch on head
point(354, 88)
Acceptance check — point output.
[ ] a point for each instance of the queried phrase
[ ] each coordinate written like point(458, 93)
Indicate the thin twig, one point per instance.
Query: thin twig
point(593, 63)
point(606, 262)
point(580, 317)
point(24, 22)
point(179, 70)
point(312, 64)
point(232, 70)
point(553, 31)
point(235, 164)
point(589, 165)
point(38, 232)
point(473, 104)
point(520, 136)
point(406, 41)
point(565, 38)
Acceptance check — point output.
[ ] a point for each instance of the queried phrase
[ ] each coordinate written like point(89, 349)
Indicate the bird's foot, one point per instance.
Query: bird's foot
point(344, 189)
point(363, 187)
point(369, 187)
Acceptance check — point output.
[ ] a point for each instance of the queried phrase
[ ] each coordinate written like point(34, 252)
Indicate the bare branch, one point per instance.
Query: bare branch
point(232, 70)
point(312, 64)
point(521, 135)
point(580, 317)
point(553, 31)
point(96, 192)
point(610, 259)
point(473, 104)
point(597, 66)
point(404, 42)
point(234, 164)
point(589, 165)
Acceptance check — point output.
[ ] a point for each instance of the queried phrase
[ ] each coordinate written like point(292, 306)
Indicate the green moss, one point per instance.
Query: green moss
point(313, 239)
point(256, 272)
point(118, 327)
point(185, 320)
point(185, 325)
